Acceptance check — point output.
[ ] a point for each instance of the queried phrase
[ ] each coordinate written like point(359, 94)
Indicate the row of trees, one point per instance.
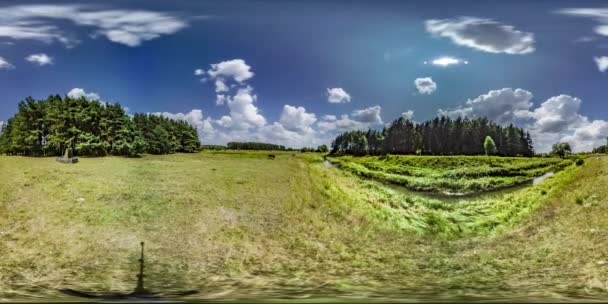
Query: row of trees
point(254, 146)
point(439, 136)
point(91, 128)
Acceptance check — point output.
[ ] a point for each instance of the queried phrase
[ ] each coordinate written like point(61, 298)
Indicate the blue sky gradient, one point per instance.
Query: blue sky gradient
point(373, 50)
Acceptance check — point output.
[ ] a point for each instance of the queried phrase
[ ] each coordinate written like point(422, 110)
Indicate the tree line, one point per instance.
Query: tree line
point(91, 128)
point(439, 136)
point(254, 146)
point(268, 146)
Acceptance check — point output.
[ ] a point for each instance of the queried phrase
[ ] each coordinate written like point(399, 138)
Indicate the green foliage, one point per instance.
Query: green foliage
point(489, 146)
point(561, 149)
point(254, 146)
point(580, 162)
point(90, 128)
point(440, 136)
point(452, 174)
point(323, 149)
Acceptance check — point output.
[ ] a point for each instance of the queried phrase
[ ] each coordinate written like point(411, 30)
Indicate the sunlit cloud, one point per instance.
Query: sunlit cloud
point(446, 61)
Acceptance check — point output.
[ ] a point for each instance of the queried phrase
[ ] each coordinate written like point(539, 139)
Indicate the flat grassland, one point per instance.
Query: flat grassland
point(237, 224)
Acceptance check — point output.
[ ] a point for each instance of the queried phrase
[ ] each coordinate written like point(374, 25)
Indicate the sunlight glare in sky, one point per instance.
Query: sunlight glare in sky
point(446, 61)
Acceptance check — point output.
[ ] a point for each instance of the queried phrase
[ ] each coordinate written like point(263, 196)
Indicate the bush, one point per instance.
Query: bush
point(579, 162)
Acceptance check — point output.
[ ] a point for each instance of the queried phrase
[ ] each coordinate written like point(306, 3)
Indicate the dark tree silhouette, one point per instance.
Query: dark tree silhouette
point(439, 136)
point(91, 128)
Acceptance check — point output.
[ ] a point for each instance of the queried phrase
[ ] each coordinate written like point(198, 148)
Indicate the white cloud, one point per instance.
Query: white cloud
point(220, 86)
point(337, 95)
point(329, 117)
point(5, 65)
point(556, 119)
point(589, 135)
point(235, 69)
point(220, 99)
point(600, 15)
point(194, 117)
point(124, 26)
point(243, 113)
point(76, 93)
point(602, 63)
point(369, 115)
point(502, 106)
point(227, 74)
point(296, 119)
point(425, 85)
point(40, 59)
point(358, 120)
point(557, 114)
point(482, 34)
point(409, 115)
point(1, 126)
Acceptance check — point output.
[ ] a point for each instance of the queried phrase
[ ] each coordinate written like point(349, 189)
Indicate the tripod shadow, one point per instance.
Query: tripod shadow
point(139, 293)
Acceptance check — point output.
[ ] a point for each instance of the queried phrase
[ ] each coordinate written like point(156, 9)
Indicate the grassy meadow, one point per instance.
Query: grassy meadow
point(451, 174)
point(239, 225)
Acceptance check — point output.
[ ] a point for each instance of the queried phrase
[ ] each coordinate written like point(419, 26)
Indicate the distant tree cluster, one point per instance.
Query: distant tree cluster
point(91, 128)
point(561, 149)
point(213, 147)
point(319, 149)
point(254, 146)
point(601, 149)
point(162, 135)
point(439, 136)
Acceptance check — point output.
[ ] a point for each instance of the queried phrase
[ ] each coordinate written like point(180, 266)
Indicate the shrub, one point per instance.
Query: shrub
point(580, 162)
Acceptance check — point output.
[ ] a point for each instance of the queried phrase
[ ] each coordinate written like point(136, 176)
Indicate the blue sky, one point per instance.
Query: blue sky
point(299, 72)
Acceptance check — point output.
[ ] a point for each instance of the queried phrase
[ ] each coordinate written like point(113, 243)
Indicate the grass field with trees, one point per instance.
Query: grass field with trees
point(236, 224)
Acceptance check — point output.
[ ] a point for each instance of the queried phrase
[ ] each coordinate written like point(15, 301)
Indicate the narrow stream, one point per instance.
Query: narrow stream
point(450, 197)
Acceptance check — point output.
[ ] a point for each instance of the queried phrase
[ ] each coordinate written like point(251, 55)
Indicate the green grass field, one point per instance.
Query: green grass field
point(451, 174)
point(235, 225)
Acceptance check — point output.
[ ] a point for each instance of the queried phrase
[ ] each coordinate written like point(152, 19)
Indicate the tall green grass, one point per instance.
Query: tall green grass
point(459, 174)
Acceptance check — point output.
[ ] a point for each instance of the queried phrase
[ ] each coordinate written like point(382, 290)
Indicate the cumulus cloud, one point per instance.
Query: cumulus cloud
point(337, 95)
point(369, 115)
point(425, 85)
point(482, 34)
point(235, 69)
point(243, 113)
point(5, 65)
point(409, 115)
point(76, 93)
point(124, 26)
point(556, 119)
point(227, 74)
point(40, 59)
point(588, 135)
point(557, 114)
point(502, 106)
point(602, 63)
point(358, 120)
point(194, 117)
point(296, 119)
